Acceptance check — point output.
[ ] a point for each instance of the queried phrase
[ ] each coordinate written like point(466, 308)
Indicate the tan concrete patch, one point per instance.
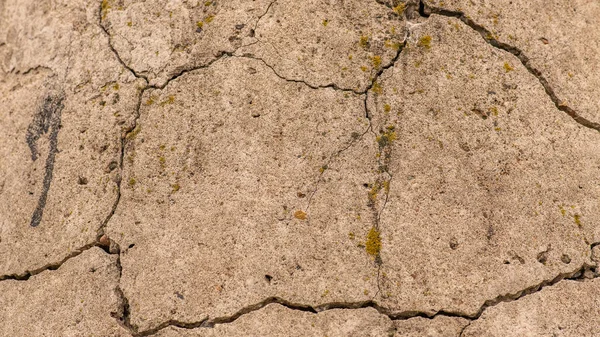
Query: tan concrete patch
point(568, 309)
point(218, 205)
point(276, 320)
point(65, 108)
point(493, 191)
point(159, 39)
point(75, 300)
point(560, 39)
point(339, 43)
point(439, 326)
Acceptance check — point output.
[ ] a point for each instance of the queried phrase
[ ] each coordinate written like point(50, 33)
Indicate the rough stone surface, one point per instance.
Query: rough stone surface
point(560, 39)
point(478, 194)
point(65, 103)
point(75, 300)
point(568, 309)
point(271, 167)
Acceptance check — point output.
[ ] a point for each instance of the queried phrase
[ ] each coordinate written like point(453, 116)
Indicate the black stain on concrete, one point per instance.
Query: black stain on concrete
point(46, 120)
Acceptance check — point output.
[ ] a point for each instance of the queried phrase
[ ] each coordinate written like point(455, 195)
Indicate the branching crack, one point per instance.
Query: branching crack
point(425, 9)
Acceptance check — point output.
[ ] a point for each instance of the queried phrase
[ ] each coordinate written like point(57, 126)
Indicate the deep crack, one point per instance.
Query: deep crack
point(488, 36)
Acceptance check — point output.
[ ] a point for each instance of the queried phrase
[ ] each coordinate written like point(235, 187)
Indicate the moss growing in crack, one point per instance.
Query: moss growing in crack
point(377, 88)
point(373, 244)
point(387, 137)
point(425, 42)
point(105, 6)
point(131, 135)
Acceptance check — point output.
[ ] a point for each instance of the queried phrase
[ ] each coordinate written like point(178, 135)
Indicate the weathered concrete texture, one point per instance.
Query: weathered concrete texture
point(439, 326)
point(493, 191)
point(560, 38)
point(66, 102)
point(344, 43)
point(277, 321)
point(568, 309)
point(159, 39)
point(75, 300)
point(218, 205)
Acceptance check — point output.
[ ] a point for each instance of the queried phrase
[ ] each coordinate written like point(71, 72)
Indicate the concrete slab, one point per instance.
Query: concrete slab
point(559, 39)
point(66, 102)
point(568, 309)
point(355, 168)
point(77, 299)
point(480, 204)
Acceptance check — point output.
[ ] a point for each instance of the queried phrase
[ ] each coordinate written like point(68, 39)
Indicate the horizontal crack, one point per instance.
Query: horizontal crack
point(490, 39)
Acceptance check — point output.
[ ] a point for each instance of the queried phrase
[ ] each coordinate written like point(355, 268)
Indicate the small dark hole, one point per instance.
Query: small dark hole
point(131, 245)
point(268, 278)
point(82, 181)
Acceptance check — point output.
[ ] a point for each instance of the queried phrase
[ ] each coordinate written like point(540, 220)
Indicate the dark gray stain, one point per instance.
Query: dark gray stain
point(46, 120)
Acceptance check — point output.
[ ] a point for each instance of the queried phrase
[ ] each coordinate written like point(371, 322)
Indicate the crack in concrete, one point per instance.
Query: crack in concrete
point(124, 315)
point(575, 275)
point(425, 10)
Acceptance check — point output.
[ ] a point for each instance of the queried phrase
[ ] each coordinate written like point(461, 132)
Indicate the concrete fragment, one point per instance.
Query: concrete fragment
point(569, 308)
point(159, 39)
point(78, 299)
point(492, 187)
point(228, 209)
point(559, 38)
point(340, 43)
point(439, 326)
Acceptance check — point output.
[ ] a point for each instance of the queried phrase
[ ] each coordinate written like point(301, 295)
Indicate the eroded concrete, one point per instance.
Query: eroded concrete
point(77, 299)
point(559, 39)
point(471, 215)
point(354, 168)
point(66, 103)
point(569, 309)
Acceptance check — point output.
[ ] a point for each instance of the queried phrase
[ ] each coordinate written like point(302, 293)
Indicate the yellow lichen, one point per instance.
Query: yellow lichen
point(364, 41)
point(175, 187)
point(351, 236)
point(577, 219)
point(363, 68)
point(376, 60)
point(325, 22)
point(508, 67)
point(129, 23)
point(132, 182)
point(209, 18)
point(377, 88)
point(105, 6)
point(400, 9)
point(300, 215)
point(425, 42)
point(387, 108)
point(199, 24)
point(373, 244)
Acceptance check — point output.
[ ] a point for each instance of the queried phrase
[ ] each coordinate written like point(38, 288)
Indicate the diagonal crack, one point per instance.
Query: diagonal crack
point(425, 9)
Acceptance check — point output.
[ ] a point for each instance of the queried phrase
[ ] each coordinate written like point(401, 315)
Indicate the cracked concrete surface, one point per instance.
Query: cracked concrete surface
point(271, 168)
